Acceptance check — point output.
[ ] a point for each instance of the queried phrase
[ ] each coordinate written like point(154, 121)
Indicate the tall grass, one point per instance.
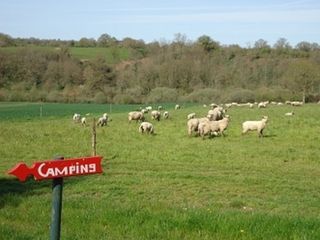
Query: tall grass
point(167, 186)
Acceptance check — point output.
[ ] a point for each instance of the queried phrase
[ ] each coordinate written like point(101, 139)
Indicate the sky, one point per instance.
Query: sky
point(240, 22)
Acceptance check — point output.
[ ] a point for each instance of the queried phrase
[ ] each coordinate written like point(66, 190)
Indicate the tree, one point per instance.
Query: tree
point(282, 44)
point(304, 46)
point(105, 40)
point(207, 43)
point(303, 77)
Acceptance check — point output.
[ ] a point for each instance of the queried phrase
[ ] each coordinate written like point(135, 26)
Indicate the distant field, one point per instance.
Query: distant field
point(166, 186)
point(112, 55)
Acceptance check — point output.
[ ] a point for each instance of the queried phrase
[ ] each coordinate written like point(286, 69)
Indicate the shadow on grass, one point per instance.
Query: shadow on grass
point(12, 190)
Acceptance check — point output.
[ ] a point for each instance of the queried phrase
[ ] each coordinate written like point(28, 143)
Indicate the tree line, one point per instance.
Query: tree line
point(161, 71)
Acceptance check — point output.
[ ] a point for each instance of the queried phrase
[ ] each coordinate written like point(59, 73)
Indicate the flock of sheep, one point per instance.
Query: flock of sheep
point(213, 124)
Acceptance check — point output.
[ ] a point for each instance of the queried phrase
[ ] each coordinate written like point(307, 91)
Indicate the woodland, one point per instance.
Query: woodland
point(130, 71)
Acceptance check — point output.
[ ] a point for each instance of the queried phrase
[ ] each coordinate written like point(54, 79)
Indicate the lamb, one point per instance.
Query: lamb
point(76, 117)
point(155, 115)
point(177, 107)
point(103, 120)
point(255, 125)
point(191, 115)
point(166, 115)
point(136, 115)
point(213, 127)
point(146, 127)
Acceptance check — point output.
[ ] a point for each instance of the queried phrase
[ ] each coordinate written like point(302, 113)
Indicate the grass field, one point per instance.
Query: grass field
point(166, 186)
point(112, 55)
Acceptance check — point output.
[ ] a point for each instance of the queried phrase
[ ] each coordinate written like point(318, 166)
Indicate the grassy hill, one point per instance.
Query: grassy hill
point(166, 186)
point(111, 54)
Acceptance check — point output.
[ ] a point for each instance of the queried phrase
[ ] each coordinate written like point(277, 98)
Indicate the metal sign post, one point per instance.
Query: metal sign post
point(57, 187)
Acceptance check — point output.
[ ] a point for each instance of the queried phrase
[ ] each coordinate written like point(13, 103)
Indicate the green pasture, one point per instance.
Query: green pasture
point(111, 55)
point(167, 185)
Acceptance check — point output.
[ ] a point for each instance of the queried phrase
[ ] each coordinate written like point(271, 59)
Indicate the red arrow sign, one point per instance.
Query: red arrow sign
point(58, 168)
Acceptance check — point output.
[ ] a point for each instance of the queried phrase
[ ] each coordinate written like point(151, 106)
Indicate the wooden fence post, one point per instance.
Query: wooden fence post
point(94, 138)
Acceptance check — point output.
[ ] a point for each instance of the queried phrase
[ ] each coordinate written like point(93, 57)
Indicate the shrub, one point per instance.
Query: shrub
point(205, 95)
point(100, 98)
point(162, 94)
point(240, 96)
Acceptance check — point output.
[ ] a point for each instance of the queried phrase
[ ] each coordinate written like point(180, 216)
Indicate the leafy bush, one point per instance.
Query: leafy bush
point(100, 98)
point(205, 95)
point(240, 96)
point(162, 94)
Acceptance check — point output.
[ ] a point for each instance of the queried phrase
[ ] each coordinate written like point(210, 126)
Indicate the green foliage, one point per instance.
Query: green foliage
point(118, 68)
point(240, 96)
point(166, 186)
point(206, 95)
point(162, 94)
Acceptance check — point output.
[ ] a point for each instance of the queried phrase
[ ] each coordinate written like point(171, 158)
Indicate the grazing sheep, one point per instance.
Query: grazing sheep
point(160, 108)
point(76, 117)
point(255, 125)
point(213, 105)
point(103, 121)
point(146, 127)
point(166, 115)
point(155, 115)
point(177, 107)
point(135, 115)
point(289, 114)
point(262, 105)
point(216, 114)
point(192, 125)
point(213, 127)
point(296, 103)
point(84, 121)
point(191, 115)
point(144, 110)
point(149, 108)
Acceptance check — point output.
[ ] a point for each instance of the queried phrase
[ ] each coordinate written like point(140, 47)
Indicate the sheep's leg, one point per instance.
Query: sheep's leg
point(261, 133)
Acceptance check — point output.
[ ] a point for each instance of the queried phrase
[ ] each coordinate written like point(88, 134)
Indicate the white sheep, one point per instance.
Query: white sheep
point(166, 115)
point(255, 125)
point(84, 121)
point(76, 117)
point(177, 107)
point(262, 105)
point(191, 115)
point(289, 113)
point(213, 127)
point(146, 127)
point(144, 110)
point(216, 114)
point(193, 123)
point(296, 103)
point(155, 115)
point(103, 121)
point(136, 115)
